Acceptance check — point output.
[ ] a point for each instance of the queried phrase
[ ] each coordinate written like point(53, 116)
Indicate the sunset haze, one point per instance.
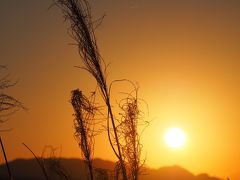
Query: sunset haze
point(184, 54)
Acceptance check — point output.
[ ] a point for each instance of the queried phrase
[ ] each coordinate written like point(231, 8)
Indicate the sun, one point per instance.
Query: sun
point(175, 137)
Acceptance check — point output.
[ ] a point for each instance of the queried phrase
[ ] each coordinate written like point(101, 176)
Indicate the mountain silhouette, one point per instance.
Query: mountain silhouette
point(174, 173)
point(28, 169)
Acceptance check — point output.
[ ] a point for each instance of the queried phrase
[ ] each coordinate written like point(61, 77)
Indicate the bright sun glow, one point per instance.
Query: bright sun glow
point(175, 137)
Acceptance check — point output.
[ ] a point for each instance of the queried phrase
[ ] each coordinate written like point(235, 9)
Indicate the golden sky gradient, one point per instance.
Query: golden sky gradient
point(183, 54)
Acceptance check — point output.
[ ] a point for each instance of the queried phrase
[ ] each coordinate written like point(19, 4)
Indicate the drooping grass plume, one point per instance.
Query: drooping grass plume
point(8, 104)
point(78, 13)
point(84, 112)
point(131, 119)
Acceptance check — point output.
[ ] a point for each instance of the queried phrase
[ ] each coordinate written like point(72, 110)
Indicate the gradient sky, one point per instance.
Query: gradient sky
point(183, 53)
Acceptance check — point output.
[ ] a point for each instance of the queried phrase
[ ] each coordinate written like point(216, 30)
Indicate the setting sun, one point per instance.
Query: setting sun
point(175, 137)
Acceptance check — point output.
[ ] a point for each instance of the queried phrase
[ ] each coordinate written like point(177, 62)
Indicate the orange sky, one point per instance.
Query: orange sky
point(184, 55)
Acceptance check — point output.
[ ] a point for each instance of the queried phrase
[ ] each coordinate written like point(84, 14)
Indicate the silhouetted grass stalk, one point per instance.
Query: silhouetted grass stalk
point(128, 128)
point(40, 163)
point(78, 13)
point(8, 105)
point(84, 112)
point(53, 163)
point(6, 160)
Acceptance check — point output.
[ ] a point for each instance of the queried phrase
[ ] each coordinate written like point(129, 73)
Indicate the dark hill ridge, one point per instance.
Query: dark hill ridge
point(28, 169)
point(174, 173)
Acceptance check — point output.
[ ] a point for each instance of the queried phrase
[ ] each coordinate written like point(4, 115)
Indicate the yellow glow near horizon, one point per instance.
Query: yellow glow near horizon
point(175, 137)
